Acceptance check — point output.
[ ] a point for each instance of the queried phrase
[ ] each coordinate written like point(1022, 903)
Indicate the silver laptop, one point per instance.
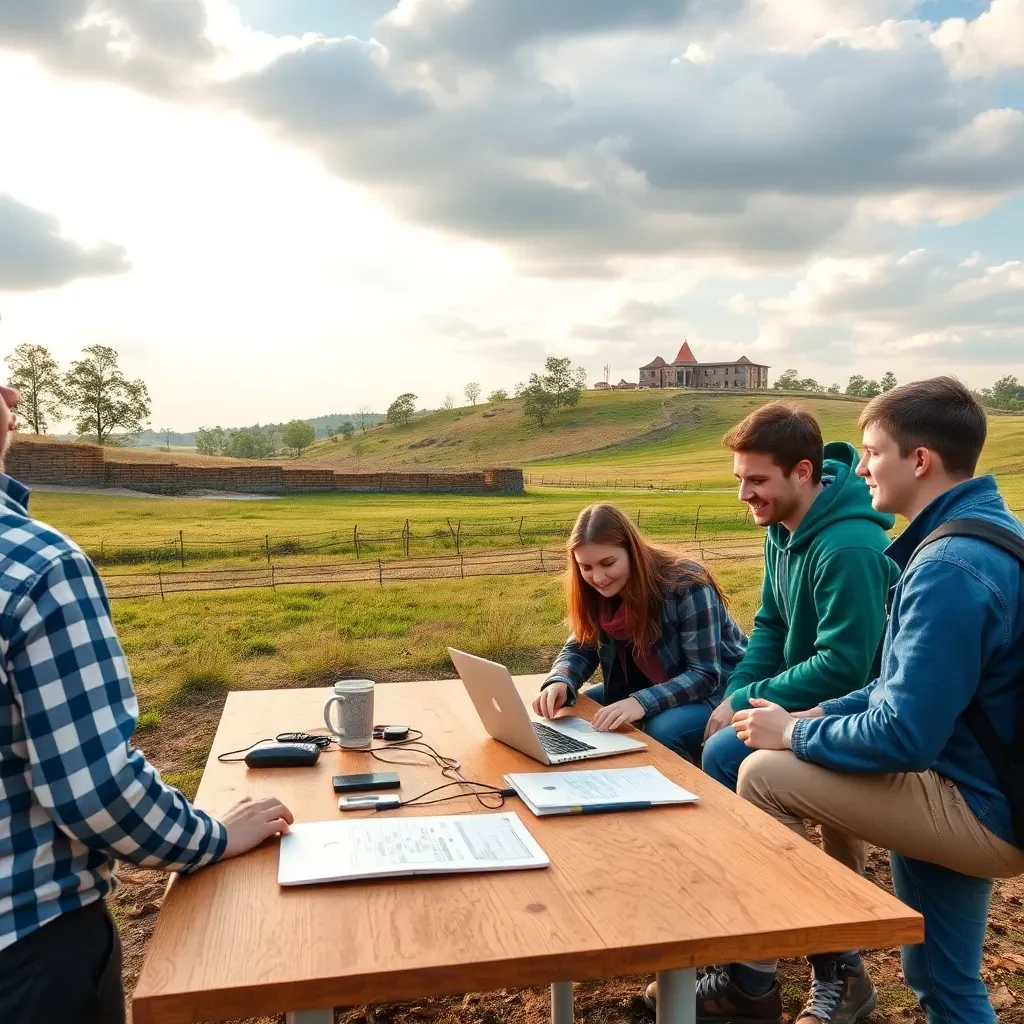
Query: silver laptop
point(506, 718)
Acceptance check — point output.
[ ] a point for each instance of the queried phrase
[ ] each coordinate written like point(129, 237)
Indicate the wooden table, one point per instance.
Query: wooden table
point(654, 891)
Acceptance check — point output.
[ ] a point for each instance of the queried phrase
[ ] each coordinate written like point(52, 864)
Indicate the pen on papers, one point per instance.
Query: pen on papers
point(599, 808)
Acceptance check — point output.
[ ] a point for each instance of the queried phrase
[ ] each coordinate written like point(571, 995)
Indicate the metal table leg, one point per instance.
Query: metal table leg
point(561, 1002)
point(677, 996)
point(309, 1017)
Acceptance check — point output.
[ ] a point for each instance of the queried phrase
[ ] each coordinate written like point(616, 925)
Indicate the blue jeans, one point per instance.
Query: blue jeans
point(945, 970)
point(680, 729)
point(723, 755)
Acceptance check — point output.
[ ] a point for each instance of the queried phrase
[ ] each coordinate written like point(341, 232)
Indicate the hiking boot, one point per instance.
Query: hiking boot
point(721, 1001)
point(840, 994)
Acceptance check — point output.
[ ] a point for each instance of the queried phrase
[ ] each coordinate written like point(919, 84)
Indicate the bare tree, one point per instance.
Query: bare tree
point(362, 417)
point(449, 403)
point(472, 392)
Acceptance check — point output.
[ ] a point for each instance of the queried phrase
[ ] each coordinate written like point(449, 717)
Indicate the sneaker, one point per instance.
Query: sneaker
point(840, 994)
point(721, 1001)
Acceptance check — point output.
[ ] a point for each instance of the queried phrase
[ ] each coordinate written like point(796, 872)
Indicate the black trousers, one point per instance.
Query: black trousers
point(67, 972)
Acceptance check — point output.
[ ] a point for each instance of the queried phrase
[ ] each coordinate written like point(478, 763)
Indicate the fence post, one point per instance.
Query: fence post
point(542, 569)
point(181, 540)
point(160, 580)
point(380, 572)
point(696, 522)
point(522, 543)
point(406, 533)
point(266, 538)
point(638, 519)
point(273, 585)
point(462, 567)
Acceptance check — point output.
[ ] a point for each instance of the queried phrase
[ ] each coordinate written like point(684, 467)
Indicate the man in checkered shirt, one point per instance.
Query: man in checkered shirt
point(74, 795)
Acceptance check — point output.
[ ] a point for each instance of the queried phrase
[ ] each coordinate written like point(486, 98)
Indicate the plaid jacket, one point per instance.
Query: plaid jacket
point(73, 793)
point(699, 647)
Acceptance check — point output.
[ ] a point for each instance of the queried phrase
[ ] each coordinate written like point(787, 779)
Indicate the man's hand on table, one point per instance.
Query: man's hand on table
point(250, 821)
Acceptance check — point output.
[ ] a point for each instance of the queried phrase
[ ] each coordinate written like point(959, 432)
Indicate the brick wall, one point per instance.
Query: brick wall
point(83, 465)
point(78, 465)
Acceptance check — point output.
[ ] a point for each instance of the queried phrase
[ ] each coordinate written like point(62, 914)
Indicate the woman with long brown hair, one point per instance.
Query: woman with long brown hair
point(657, 626)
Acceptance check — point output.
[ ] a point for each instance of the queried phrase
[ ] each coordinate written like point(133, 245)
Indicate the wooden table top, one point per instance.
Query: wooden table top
point(634, 892)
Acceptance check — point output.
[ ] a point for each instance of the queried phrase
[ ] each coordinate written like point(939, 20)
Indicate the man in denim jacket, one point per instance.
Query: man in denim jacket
point(896, 764)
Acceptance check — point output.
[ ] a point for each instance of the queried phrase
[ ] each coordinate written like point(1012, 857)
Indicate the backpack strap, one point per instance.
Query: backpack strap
point(1004, 758)
point(980, 529)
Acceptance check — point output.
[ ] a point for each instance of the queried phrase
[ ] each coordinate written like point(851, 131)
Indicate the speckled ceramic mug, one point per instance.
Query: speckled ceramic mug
point(353, 725)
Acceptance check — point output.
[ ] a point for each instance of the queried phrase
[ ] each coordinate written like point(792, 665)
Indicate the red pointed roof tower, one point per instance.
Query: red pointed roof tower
point(685, 355)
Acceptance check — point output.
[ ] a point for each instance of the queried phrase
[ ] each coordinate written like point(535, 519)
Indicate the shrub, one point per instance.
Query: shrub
point(185, 782)
point(259, 647)
point(504, 633)
point(206, 672)
point(148, 720)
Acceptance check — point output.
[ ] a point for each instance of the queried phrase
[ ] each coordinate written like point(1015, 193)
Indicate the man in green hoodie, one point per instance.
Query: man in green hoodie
point(821, 619)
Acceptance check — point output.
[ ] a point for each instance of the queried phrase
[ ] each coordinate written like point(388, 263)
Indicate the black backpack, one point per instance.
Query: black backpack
point(1007, 759)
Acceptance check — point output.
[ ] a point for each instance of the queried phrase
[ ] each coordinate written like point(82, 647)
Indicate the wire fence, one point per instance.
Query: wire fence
point(408, 539)
point(627, 484)
point(547, 561)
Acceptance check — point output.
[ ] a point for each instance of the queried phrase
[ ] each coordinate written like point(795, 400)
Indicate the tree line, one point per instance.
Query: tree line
point(1007, 393)
point(560, 386)
point(858, 386)
point(93, 392)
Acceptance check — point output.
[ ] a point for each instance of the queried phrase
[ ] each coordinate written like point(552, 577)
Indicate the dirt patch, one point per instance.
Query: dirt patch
point(124, 492)
point(136, 903)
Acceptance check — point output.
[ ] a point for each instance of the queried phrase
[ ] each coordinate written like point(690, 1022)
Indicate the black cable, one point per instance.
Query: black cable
point(451, 767)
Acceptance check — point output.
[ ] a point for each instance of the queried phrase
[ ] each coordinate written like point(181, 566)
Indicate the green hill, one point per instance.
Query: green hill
point(660, 436)
point(626, 429)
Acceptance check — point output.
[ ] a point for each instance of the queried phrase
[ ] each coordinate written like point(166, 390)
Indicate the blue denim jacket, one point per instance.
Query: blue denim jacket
point(956, 629)
point(699, 647)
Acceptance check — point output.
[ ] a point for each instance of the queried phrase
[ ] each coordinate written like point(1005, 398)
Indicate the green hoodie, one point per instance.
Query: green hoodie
point(823, 599)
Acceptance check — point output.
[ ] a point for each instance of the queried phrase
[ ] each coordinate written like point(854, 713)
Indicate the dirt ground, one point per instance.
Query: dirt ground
point(136, 906)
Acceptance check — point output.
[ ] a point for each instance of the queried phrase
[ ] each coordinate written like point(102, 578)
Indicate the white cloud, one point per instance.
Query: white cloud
point(919, 311)
point(991, 43)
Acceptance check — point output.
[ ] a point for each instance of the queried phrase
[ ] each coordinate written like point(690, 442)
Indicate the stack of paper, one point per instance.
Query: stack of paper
point(386, 847)
point(591, 792)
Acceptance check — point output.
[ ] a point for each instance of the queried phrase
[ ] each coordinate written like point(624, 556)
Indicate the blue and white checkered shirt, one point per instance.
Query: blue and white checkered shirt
point(74, 795)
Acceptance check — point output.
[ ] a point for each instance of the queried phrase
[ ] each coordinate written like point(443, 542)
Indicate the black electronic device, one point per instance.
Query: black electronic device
point(390, 732)
point(362, 783)
point(283, 755)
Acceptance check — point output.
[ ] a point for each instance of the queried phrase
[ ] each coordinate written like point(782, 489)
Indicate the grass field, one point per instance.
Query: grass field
point(144, 532)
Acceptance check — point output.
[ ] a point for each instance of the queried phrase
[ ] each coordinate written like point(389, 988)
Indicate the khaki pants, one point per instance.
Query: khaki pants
point(918, 815)
point(943, 861)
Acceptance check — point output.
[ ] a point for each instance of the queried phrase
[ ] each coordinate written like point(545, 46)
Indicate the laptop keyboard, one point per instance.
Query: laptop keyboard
point(555, 742)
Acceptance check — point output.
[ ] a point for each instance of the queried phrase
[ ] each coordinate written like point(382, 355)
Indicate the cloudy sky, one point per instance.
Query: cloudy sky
point(278, 208)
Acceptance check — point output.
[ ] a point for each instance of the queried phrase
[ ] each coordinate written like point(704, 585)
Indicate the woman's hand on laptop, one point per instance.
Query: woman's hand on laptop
point(615, 716)
point(551, 700)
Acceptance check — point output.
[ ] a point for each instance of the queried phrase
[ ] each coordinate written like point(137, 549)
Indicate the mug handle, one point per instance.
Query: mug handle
point(337, 730)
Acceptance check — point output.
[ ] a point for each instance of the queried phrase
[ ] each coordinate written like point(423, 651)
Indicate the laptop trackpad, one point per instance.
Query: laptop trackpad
point(572, 724)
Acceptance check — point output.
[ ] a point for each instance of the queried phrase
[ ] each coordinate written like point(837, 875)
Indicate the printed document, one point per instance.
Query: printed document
point(609, 789)
point(385, 847)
